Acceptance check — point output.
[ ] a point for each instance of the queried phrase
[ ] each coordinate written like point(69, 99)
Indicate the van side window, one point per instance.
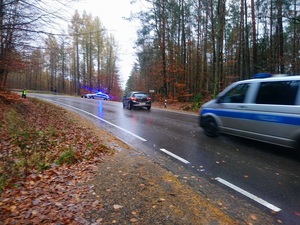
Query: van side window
point(278, 93)
point(236, 94)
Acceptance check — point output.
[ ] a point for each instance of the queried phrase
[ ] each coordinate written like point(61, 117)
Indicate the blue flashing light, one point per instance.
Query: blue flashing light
point(262, 75)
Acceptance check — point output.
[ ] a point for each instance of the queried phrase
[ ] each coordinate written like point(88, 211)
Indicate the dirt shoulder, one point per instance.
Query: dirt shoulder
point(134, 189)
point(118, 186)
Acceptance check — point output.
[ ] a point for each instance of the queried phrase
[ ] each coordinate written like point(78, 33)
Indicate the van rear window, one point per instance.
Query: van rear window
point(278, 92)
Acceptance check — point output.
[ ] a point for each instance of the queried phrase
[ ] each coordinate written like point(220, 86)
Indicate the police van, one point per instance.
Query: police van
point(262, 109)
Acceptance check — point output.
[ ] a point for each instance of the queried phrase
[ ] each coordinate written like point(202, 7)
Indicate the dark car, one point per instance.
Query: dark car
point(136, 99)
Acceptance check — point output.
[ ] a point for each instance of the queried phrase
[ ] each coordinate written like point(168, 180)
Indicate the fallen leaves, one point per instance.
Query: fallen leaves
point(35, 134)
point(60, 194)
point(161, 200)
point(116, 206)
point(253, 217)
point(52, 200)
point(133, 220)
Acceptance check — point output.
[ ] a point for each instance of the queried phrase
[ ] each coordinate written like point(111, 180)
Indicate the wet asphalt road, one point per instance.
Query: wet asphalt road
point(255, 176)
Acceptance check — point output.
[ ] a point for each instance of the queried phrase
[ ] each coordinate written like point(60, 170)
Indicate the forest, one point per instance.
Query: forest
point(186, 50)
point(189, 50)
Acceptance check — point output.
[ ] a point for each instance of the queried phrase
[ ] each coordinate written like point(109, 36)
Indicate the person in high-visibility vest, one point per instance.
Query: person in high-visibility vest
point(24, 93)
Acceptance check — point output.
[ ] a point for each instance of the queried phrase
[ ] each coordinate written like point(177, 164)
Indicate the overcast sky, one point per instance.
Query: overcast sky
point(111, 13)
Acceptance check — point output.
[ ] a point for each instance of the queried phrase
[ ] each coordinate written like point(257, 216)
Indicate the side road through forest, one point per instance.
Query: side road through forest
point(58, 168)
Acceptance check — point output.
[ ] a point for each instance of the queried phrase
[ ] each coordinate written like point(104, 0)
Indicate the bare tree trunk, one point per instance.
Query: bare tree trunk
point(98, 64)
point(183, 41)
point(219, 48)
point(204, 80)
point(271, 61)
point(254, 44)
point(77, 83)
point(213, 37)
point(294, 54)
point(90, 61)
point(241, 56)
point(163, 50)
point(63, 65)
point(280, 37)
point(246, 47)
point(199, 74)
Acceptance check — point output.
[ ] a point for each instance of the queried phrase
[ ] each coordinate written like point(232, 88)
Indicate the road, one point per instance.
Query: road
point(241, 176)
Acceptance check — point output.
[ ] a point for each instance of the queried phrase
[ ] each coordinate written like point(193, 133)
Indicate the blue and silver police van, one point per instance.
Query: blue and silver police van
point(262, 109)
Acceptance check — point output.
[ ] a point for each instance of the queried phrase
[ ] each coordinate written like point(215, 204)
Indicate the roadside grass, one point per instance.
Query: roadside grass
point(35, 136)
point(67, 157)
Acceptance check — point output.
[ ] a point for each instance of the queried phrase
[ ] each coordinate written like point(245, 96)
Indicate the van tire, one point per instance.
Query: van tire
point(211, 127)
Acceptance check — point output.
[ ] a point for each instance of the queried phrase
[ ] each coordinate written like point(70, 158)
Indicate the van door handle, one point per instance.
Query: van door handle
point(242, 107)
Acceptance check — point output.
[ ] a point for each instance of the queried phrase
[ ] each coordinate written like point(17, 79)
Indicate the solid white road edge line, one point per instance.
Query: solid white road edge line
point(249, 195)
point(120, 128)
point(175, 156)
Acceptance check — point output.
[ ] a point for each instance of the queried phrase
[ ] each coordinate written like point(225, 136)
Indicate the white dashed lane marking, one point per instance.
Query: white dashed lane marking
point(175, 156)
point(232, 186)
point(249, 195)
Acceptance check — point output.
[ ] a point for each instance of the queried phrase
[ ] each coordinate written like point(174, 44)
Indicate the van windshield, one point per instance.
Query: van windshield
point(235, 95)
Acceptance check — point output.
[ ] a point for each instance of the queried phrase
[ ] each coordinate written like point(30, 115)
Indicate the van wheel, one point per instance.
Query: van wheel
point(210, 127)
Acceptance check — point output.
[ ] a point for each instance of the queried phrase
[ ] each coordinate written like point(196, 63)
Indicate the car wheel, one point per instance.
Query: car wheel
point(123, 105)
point(210, 127)
point(92, 97)
point(130, 106)
point(148, 107)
